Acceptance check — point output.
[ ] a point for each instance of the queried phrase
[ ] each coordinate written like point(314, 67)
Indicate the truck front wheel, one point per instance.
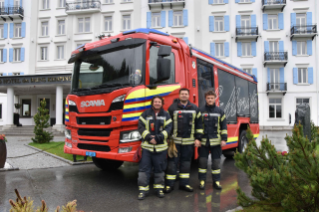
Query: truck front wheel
point(105, 164)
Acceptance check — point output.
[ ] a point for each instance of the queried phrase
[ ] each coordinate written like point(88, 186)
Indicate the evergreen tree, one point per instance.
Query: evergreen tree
point(41, 120)
point(287, 180)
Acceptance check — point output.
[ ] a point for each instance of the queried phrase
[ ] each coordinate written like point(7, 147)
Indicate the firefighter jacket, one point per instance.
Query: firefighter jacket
point(214, 124)
point(187, 123)
point(159, 126)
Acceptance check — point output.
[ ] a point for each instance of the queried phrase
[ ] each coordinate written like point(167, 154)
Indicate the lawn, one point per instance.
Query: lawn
point(257, 208)
point(57, 149)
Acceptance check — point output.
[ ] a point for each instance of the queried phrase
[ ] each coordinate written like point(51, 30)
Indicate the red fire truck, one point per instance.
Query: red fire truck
point(115, 78)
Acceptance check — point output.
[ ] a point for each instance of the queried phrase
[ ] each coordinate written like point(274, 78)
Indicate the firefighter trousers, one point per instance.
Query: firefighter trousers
point(152, 161)
point(183, 161)
point(203, 153)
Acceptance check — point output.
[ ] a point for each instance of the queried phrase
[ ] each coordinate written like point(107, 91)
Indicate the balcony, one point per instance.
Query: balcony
point(275, 58)
point(273, 5)
point(173, 4)
point(303, 31)
point(82, 7)
point(276, 88)
point(11, 13)
point(247, 33)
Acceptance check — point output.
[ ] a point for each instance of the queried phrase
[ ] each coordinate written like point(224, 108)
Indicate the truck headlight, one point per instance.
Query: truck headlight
point(130, 136)
point(119, 99)
point(71, 103)
point(67, 134)
point(68, 144)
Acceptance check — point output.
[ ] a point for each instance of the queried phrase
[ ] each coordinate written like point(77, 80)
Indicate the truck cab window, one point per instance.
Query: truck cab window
point(205, 80)
point(153, 66)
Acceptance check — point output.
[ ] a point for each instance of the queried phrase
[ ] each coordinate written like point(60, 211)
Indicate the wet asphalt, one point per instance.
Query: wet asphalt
point(98, 191)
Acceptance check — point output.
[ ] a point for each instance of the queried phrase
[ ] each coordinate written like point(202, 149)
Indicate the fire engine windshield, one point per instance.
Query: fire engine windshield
point(107, 71)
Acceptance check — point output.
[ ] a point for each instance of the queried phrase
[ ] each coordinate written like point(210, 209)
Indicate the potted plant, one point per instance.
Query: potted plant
point(3, 150)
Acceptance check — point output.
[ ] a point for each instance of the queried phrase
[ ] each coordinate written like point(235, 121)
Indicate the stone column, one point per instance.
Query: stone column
point(59, 109)
point(10, 108)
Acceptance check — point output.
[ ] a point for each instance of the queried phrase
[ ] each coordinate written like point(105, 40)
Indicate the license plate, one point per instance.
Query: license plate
point(90, 154)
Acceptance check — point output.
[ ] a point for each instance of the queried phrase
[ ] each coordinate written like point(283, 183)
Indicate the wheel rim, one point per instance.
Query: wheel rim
point(244, 143)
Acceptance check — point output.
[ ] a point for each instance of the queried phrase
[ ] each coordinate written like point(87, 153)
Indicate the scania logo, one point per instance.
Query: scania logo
point(95, 103)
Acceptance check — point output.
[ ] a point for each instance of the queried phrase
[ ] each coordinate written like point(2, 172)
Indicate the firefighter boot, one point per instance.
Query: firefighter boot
point(160, 193)
point(216, 185)
point(202, 185)
point(142, 196)
point(186, 188)
point(168, 189)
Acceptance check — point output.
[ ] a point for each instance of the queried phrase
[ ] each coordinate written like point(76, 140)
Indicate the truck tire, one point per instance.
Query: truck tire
point(243, 141)
point(106, 164)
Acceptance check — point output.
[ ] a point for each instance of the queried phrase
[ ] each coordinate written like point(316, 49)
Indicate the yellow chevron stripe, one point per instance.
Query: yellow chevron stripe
point(137, 105)
point(256, 135)
point(66, 109)
point(131, 115)
point(146, 92)
point(232, 139)
point(66, 117)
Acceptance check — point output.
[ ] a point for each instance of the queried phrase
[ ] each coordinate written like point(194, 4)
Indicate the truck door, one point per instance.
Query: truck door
point(205, 80)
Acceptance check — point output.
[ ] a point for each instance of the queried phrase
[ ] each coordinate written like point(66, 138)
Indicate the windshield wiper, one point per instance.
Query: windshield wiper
point(82, 89)
point(110, 85)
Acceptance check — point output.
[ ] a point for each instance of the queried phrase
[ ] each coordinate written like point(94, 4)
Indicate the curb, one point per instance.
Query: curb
point(58, 157)
point(236, 209)
point(9, 169)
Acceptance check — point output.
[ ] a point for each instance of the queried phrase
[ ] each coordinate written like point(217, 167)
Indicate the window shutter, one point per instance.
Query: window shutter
point(310, 75)
point(268, 75)
point(294, 47)
point(10, 74)
point(252, 0)
point(293, 19)
point(11, 3)
point(309, 18)
point(253, 21)
point(20, 3)
point(6, 3)
point(238, 20)
point(170, 18)
point(163, 18)
point(282, 78)
point(226, 1)
point(237, 1)
point(281, 21)
point(212, 49)
point(295, 75)
point(148, 19)
point(185, 17)
point(22, 54)
point(266, 43)
point(255, 72)
point(239, 52)
point(4, 74)
point(21, 73)
point(254, 48)
point(226, 23)
point(281, 46)
point(226, 47)
point(211, 23)
point(309, 47)
point(10, 54)
point(210, 1)
point(23, 28)
point(4, 56)
point(5, 30)
point(186, 40)
point(265, 21)
point(11, 30)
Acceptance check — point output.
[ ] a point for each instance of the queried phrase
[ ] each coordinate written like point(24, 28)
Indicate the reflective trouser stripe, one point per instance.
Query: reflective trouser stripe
point(158, 186)
point(170, 177)
point(202, 170)
point(142, 188)
point(201, 131)
point(181, 175)
point(216, 171)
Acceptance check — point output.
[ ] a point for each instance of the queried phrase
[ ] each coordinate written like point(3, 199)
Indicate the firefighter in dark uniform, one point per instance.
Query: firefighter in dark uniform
point(187, 130)
point(154, 125)
point(215, 137)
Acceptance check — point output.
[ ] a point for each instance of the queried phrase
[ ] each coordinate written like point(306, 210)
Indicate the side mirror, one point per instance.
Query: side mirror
point(164, 51)
point(163, 69)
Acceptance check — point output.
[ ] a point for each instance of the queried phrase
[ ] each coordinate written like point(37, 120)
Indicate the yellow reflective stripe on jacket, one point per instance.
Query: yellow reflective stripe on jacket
point(167, 122)
point(216, 171)
point(143, 120)
point(165, 134)
point(222, 119)
point(202, 170)
point(224, 132)
point(199, 115)
point(170, 177)
point(183, 175)
point(142, 188)
point(145, 133)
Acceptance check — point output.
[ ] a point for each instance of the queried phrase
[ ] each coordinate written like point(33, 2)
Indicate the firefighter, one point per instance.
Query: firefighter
point(215, 137)
point(154, 125)
point(187, 130)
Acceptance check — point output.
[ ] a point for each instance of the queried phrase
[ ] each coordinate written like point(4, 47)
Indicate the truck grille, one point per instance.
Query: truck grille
point(90, 140)
point(94, 120)
point(94, 147)
point(95, 132)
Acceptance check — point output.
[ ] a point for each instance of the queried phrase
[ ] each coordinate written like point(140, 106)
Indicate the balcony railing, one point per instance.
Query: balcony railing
point(246, 31)
point(277, 87)
point(281, 56)
point(83, 5)
point(161, 1)
point(304, 29)
point(7, 11)
point(272, 2)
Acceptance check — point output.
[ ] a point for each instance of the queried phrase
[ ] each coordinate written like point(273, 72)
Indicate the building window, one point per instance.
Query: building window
point(60, 52)
point(61, 27)
point(248, 70)
point(300, 101)
point(245, 1)
point(219, 48)
point(26, 107)
point(178, 18)
point(300, 19)
point(273, 46)
point(127, 0)
point(2, 3)
point(17, 3)
point(61, 3)
point(1, 55)
point(302, 48)
point(44, 53)
point(246, 49)
point(1, 31)
point(84, 24)
point(45, 28)
point(17, 30)
point(156, 20)
point(0, 111)
point(108, 24)
point(16, 73)
point(274, 78)
point(272, 21)
point(302, 75)
point(45, 4)
point(126, 22)
point(108, 1)
point(219, 23)
point(218, 1)
point(275, 108)
point(16, 55)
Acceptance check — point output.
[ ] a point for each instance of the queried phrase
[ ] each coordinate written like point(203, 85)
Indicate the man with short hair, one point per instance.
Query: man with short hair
point(187, 127)
point(215, 137)
point(154, 125)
